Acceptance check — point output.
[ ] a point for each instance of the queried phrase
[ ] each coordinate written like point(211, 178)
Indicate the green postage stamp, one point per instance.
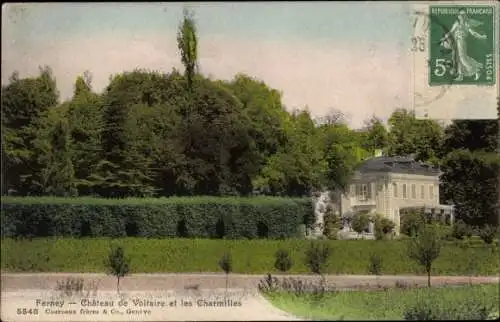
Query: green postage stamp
point(462, 45)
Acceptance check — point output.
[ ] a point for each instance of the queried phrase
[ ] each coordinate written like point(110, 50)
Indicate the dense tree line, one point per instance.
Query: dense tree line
point(163, 134)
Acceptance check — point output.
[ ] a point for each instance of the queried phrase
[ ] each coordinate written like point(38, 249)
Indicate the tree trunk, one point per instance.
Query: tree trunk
point(118, 285)
point(227, 282)
point(429, 277)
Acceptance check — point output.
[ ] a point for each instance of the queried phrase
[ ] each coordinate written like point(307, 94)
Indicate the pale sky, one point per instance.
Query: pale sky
point(351, 56)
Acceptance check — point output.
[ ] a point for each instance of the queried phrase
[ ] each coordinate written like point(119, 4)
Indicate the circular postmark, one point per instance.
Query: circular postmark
point(421, 23)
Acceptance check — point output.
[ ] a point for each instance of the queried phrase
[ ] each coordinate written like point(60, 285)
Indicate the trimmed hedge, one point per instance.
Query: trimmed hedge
point(249, 256)
point(201, 217)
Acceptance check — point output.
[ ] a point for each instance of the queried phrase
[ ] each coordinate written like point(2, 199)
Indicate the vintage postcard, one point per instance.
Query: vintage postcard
point(250, 161)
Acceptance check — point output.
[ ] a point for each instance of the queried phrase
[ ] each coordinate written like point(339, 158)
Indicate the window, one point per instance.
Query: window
point(431, 192)
point(363, 192)
point(395, 189)
point(404, 191)
point(422, 192)
point(353, 190)
point(413, 191)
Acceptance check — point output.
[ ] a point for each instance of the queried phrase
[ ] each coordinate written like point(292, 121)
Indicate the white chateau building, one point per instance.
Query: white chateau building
point(389, 186)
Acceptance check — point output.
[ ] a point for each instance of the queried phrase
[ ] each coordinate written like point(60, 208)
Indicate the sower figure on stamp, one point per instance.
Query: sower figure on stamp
point(463, 64)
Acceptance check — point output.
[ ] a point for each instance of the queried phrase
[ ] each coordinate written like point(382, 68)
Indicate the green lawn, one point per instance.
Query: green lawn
point(249, 256)
point(382, 305)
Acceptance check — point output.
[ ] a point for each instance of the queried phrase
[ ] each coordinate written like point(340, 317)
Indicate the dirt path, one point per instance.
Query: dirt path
point(159, 282)
point(209, 299)
point(168, 306)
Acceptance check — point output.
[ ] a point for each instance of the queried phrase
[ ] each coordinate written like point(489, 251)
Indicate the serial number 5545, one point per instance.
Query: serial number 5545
point(25, 311)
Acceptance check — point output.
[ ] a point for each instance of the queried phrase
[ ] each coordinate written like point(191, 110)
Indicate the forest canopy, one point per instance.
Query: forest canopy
point(184, 134)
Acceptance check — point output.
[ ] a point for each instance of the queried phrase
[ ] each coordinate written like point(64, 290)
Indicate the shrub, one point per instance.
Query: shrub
point(375, 266)
point(317, 256)
point(331, 223)
point(73, 286)
point(387, 225)
point(70, 286)
point(383, 226)
point(284, 261)
point(118, 265)
point(378, 233)
point(445, 232)
point(296, 286)
point(412, 223)
point(401, 284)
point(421, 313)
point(360, 222)
point(461, 230)
point(300, 287)
point(269, 284)
point(226, 263)
point(425, 248)
point(426, 310)
point(487, 234)
point(465, 243)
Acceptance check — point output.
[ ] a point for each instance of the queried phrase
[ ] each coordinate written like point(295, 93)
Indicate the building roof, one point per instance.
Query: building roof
point(406, 165)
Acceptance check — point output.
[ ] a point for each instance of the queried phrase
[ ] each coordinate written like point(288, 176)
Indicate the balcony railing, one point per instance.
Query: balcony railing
point(357, 201)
